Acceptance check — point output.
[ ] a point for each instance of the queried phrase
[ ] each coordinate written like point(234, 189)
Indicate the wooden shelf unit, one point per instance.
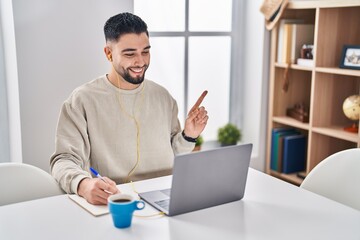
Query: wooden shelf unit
point(323, 87)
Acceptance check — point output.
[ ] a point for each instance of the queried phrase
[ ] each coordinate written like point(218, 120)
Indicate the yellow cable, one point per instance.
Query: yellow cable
point(137, 144)
point(136, 124)
point(137, 151)
point(159, 214)
point(146, 216)
point(133, 188)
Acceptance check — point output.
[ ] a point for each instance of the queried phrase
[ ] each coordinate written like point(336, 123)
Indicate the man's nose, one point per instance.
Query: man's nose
point(140, 61)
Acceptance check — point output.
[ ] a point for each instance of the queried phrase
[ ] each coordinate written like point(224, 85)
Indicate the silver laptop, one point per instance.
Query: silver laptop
point(204, 179)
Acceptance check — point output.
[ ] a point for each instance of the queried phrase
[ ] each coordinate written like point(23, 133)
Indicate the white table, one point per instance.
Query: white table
point(271, 209)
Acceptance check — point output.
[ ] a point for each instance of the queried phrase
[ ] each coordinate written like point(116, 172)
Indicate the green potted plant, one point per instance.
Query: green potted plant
point(198, 143)
point(229, 135)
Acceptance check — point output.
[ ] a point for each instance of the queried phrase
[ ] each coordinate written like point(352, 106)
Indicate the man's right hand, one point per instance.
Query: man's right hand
point(96, 191)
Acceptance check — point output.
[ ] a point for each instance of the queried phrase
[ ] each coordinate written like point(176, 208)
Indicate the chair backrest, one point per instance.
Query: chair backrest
point(22, 182)
point(337, 177)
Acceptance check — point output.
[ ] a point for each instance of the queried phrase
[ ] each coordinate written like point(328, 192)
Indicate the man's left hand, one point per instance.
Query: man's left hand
point(197, 119)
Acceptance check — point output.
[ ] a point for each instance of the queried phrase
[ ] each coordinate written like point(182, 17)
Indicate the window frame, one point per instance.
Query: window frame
point(236, 53)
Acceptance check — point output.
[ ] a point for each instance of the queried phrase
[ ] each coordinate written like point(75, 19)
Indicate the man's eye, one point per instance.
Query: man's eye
point(146, 53)
point(129, 54)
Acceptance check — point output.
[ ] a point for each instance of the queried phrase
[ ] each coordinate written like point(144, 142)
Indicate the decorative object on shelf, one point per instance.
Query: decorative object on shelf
point(300, 112)
point(286, 82)
point(198, 143)
point(306, 56)
point(351, 109)
point(306, 51)
point(272, 10)
point(350, 57)
point(229, 135)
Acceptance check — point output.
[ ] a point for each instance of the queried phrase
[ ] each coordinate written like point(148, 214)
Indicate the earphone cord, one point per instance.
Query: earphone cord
point(137, 150)
point(136, 124)
point(142, 216)
point(137, 144)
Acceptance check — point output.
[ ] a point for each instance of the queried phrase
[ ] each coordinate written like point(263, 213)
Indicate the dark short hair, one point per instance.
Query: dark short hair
point(123, 23)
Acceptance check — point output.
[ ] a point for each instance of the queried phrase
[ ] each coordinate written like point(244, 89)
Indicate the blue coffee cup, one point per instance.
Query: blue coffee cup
point(121, 207)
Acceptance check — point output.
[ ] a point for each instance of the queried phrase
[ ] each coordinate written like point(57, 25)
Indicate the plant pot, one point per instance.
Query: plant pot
point(197, 148)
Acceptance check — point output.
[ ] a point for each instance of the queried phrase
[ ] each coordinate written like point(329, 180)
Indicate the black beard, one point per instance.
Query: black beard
point(132, 80)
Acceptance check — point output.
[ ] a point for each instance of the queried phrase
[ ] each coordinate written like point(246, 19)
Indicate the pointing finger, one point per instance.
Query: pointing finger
point(199, 101)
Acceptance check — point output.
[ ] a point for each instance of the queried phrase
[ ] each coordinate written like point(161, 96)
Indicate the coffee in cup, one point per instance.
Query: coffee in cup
point(121, 207)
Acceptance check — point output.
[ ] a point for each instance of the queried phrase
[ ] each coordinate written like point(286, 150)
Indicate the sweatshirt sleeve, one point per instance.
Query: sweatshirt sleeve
point(178, 142)
point(72, 149)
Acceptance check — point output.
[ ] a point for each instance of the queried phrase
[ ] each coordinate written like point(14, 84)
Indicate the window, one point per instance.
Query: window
point(191, 46)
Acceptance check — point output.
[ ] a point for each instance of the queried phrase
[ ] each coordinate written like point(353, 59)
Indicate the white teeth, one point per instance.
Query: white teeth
point(137, 70)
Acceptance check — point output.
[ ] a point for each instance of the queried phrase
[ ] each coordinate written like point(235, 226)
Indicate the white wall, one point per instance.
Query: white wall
point(255, 74)
point(59, 46)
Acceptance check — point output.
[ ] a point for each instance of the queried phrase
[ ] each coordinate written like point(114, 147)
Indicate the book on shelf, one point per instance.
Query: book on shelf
point(284, 42)
point(286, 47)
point(294, 154)
point(277, 146)
point(280, 150)
point(305, 62)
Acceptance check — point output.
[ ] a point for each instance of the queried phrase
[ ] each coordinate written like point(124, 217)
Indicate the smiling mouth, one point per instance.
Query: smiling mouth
point(137, 70)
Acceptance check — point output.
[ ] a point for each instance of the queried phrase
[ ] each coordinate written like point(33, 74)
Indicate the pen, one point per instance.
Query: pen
point(99, 176)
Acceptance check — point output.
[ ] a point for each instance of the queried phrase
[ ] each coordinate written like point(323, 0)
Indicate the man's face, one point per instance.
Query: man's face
point(131, 57)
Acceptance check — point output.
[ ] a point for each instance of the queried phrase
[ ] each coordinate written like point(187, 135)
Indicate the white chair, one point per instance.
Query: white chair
point(337, 177)
point(22, 182)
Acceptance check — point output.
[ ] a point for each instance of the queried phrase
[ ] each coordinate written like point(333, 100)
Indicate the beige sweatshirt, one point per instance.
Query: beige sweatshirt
point(96, 128)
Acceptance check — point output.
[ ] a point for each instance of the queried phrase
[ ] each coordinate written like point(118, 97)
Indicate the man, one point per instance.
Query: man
point(121, 124)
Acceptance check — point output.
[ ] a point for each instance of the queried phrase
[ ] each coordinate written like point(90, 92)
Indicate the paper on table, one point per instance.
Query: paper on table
point(95, 210)
point(98, 210)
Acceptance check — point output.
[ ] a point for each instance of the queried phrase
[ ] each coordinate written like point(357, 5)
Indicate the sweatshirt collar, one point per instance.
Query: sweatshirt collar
point(122, 91)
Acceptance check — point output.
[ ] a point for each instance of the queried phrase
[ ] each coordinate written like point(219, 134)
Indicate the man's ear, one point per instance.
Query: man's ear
point(108, 53)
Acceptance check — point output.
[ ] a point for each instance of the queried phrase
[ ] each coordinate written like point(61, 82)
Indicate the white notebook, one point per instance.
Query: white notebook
point(96, 210)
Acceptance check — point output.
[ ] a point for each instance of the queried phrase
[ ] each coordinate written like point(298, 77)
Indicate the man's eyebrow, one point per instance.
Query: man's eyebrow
point(134, 49)
point(129, 50)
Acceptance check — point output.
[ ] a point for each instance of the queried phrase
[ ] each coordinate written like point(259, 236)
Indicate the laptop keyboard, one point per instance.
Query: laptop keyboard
point(164, 203)
point(166, 191)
